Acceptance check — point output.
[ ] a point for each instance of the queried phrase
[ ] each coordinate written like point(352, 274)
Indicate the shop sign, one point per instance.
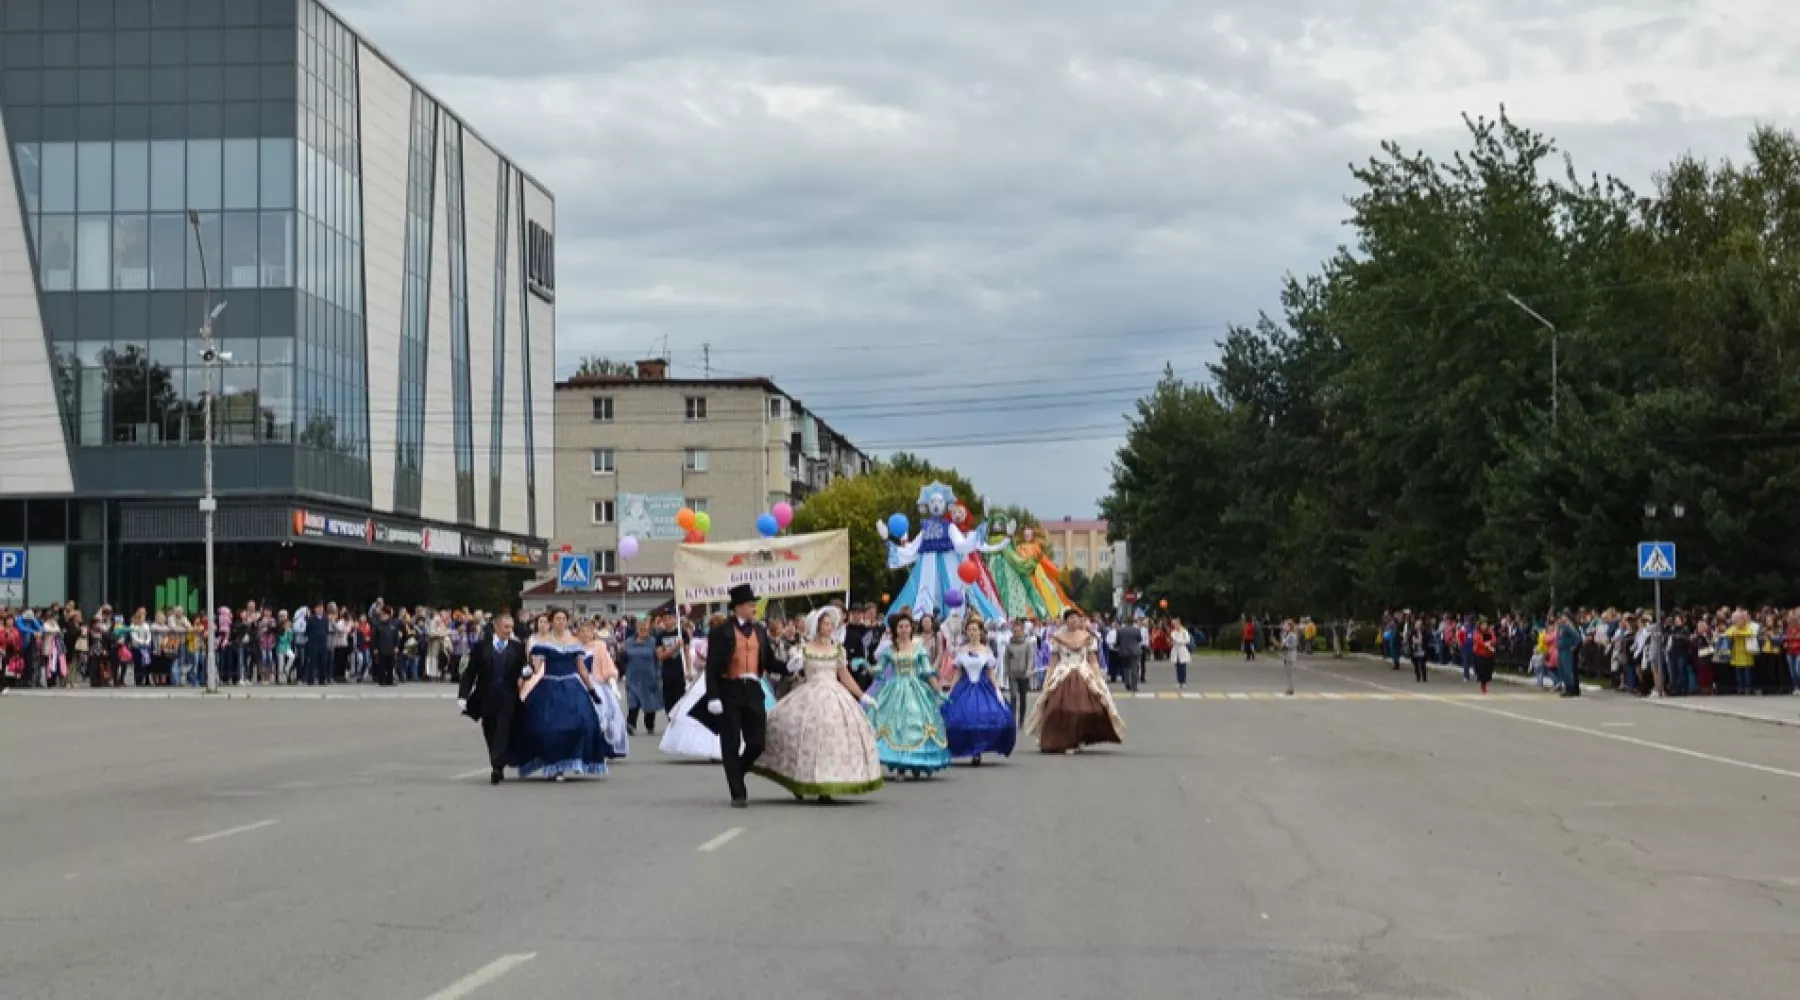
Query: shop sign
point(399, 536)
point(659, 585)
point(312, 524)
point(443, 542)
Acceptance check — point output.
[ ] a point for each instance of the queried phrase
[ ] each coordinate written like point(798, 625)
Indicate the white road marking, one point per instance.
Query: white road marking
point(1622, 738)
point(481, 977)
point(1617, 725)
point(722, 839)
point(1189, 694)
point(246, 828)
point(1238, 696)
point(466, 775)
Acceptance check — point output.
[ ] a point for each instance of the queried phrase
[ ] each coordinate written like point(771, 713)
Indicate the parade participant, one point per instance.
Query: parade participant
point(909, 725)
point(489, 692)
point(976, 721)
point(739, 655)
point(603, 676)
point(819, 742)
point(643, 678)
point(560, 732)
point(1020, 657)
point(1075, 708)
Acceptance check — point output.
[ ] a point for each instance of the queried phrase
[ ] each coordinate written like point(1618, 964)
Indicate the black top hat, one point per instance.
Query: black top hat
point(741, 594)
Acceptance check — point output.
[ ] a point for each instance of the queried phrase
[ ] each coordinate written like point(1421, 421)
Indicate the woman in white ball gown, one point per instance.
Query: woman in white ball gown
point(686, 736)
point(820, 744)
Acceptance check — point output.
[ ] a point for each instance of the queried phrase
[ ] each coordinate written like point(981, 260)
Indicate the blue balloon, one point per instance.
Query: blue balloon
point(767, 525)
point(898, 526)
point(953, 597)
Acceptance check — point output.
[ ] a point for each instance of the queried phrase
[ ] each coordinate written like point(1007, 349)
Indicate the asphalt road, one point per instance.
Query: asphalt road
point(1369, 845)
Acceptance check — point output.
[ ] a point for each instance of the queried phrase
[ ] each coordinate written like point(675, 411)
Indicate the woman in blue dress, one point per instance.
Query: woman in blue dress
point(976, 719)
point(909, 725)
point(643, 679)
point(559, 732)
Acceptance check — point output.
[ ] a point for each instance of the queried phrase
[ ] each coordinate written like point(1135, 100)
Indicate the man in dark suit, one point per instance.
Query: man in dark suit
point(738, 654)
point(489, 690)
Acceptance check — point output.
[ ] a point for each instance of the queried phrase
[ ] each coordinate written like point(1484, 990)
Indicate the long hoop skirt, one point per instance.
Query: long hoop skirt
point(686, 736)
point(909, 726)
point(612, 721)
point(820, 743)
point(1074, 711)
point(561, 733)
point(977, 721)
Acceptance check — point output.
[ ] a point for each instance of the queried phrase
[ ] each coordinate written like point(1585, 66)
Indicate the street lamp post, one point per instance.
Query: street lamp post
point(1555, 398)
point(210, 359)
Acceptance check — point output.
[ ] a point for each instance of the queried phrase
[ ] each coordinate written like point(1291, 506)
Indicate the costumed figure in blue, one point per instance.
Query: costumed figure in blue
point(933, 554)
point(975, 717)
point(907, 715)
point(559, 731)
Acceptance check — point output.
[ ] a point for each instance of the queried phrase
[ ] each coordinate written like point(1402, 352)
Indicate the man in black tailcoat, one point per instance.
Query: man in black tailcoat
point(489, 690)
point(738, 654)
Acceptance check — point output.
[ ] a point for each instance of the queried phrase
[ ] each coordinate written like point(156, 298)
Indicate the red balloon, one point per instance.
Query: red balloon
point(968, 572)
point(695, 538)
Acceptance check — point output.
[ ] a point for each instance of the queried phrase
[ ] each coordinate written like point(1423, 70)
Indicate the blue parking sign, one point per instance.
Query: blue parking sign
point(12, 564)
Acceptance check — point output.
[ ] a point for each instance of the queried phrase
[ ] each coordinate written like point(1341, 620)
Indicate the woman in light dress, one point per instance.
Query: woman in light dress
point(820, 744)
point(603, 676)
point(1076, 708)
point(975, 718)
point(907, 714)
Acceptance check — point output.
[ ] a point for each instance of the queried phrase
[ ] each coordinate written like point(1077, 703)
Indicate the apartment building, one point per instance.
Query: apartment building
point(1080, 545)
point(632, 450)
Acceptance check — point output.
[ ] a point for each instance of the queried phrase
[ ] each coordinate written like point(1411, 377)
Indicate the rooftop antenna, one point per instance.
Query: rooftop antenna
point(706, 358)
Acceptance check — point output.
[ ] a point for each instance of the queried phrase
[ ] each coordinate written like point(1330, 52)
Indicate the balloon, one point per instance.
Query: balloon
point(685, 518)
point(784, 513)
point(953, 597)
point(898, 525)
point(767, 525)
point(703, 522)
point(967, 572)
point(628, 547)
point(694, 538)
point(1163, 604)
point(886, 598)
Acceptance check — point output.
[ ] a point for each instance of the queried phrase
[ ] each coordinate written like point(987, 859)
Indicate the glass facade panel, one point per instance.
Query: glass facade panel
point(25, 168)
point(58, 177)
point(497, 417)
point(461, 407)
point(131, 176)
point(242, 240)
point(168, 176)
point(131, 252)
point(56, 253)
point(204, 173)
point(94, 176)
point(205, 252)
point(168, 251)
point(93, 253)
point(241, 174)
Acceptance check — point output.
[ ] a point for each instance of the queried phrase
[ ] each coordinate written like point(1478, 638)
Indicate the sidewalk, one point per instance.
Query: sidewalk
point(1780, 710)
point(341, 692)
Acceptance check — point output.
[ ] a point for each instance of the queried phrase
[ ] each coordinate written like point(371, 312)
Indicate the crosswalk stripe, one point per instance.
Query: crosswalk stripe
point(1168, 695)
point(1238, 696)
point(1324, 696)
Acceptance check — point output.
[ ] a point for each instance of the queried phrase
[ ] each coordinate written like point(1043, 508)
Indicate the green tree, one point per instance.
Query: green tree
point(860, 502)
point(597, 366)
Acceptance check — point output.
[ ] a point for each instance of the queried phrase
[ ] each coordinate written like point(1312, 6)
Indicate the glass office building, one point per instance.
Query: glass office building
point(388, 290)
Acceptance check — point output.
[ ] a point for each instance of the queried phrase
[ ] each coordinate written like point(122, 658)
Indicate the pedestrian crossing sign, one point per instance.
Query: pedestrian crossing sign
point(574, 571)
point(1656, 560)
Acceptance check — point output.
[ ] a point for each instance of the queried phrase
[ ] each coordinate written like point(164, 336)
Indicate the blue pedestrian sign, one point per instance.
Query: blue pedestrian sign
point(12, 564)
point(1656, 560)
point(574, 572)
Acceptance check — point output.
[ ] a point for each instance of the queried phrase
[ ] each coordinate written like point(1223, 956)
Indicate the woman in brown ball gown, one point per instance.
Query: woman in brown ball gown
point(1076, 708)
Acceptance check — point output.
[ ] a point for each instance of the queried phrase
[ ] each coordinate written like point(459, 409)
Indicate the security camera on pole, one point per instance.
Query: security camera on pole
point(210, 358)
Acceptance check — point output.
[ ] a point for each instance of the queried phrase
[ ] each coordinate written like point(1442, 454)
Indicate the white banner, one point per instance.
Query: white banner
point(773, 567)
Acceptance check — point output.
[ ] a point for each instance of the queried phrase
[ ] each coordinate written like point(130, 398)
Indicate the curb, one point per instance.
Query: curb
point(1520, 680)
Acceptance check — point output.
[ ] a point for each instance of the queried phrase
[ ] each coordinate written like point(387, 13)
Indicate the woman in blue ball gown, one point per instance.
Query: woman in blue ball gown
point(560, 731)
point(977, 720)
point(908, 720)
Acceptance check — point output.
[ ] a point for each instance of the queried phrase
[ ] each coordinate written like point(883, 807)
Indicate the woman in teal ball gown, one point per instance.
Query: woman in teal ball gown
point(908, 715)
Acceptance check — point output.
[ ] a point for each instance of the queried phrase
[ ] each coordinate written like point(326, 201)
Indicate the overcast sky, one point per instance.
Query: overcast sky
point(1034, 204)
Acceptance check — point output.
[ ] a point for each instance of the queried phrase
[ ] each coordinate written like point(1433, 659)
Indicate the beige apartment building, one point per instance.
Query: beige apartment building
point(632, 450)
point(1078, 545)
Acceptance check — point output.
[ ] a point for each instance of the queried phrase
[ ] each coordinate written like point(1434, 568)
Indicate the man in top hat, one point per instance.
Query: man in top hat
point(738, 654)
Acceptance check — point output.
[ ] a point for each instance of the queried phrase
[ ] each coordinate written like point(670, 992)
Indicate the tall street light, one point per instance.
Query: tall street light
point(210, 359)
point(1555, 398)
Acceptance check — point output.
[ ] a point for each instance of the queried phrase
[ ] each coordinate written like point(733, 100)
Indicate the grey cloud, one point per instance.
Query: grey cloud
point(1013, 189)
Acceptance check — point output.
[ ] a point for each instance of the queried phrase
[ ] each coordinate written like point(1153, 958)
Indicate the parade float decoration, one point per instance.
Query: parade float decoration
point(938, 556)
point(1025, 578)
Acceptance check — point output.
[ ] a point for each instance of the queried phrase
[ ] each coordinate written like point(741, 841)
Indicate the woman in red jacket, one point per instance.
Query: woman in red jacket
point(1484, 654)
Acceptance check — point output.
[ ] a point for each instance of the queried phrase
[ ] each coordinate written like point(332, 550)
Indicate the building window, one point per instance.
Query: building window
point(695, 504)
point(696, 460)
point(602, 459)
point(606, 561)
point(603, 409)
point(696, 407)
point(775, 407)
point(603, 512)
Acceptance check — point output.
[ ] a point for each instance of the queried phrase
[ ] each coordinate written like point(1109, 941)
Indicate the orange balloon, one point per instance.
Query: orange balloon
point(685, 518)
point(1163, 604)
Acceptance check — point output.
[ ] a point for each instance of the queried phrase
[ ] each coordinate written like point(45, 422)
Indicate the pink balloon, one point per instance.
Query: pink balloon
point(784, 514)
point(628, 547)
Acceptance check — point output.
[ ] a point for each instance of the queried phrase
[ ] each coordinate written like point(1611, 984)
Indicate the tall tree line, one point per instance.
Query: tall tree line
point(1391, 438)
